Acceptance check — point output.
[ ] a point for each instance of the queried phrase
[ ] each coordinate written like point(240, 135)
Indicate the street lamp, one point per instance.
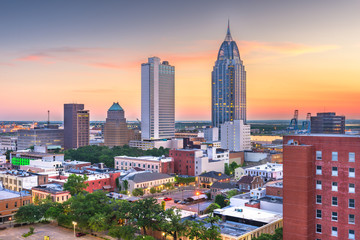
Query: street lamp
point(74, 223)
point(197, 194)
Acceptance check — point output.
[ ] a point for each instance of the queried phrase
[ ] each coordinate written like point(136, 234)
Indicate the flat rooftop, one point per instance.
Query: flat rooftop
point(7, 194)
point(325, 135)
point(146, 158)
point(269, 167)
point(249, 213)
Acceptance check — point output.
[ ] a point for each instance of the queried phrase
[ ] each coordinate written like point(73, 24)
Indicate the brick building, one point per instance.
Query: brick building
point(247, 183)
point(55, 191)
point(148, 163)
point(321, 190)
point(207, 179)
point(10, 202)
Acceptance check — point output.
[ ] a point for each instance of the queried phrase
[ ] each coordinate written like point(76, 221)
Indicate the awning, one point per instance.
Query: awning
point(107, 187)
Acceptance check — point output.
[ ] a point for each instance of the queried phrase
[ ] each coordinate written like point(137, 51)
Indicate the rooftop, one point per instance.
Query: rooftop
point(139, 177)
point(8, 194)
point(115, 107)
point(216, 175)
point(223, 185)
point(249, 213)
point(147, 158)
point(50, 188)
point(269, 167)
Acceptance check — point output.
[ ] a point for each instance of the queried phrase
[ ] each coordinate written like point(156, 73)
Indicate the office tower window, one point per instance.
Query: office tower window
point(318, 155)
point(318, 199)
point(351, 188)
point(351, 219)
point(334, 201)
point(318, 184)
point(334, 231)
point(318, 228)
point(351, 234)
point(318, 213)
point(318, 170)
point(334, 216)
point(334, 186)
point(351, 157)
point(351, 203)
point(334, 156)
point(352, 172)
point(334, 171)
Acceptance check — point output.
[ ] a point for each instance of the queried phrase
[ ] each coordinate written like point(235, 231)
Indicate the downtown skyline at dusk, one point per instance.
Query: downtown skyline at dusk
point(297, 56)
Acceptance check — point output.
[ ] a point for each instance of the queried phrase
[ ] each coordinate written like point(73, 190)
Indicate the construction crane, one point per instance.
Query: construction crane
point(306, 124)
point(294, 121)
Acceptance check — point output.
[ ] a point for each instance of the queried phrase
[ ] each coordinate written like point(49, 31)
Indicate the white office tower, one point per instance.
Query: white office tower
point(211, 134)
point(157, 100)
point(235, 136)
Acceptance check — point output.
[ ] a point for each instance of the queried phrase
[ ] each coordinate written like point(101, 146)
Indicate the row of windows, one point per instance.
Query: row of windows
point(334, 186)
point(139, 165)
point(334, 201)
point(335, 172)
point(334, 231)
point(334, 156)
point(16, 204)
point(334, 216)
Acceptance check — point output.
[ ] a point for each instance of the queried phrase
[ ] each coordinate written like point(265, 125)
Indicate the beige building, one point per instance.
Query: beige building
point(239, 172)
point(21, 180)
point(54, 191)
point(116, 132)
point(148, 163)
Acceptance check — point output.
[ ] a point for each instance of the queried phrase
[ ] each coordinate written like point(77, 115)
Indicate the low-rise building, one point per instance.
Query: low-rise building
point(221, 188)
point(205, 180)
point(146, 180)
point(150, 144)
point(268, 203)
point(2, 161)
point(275, 189)
point(149, 163)
point(239, 172)
point(235, 136)
point(75, 165)
point(46, 157)
point(21, 180)
point(8, 142)
point(269, 171)
point(39, 166)
point(247, 183)
point(54, 191)
point(10, 202)
point(211, 134)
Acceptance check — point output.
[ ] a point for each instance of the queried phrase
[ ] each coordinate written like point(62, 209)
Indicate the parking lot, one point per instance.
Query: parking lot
point(53, 231)
point(201, 206)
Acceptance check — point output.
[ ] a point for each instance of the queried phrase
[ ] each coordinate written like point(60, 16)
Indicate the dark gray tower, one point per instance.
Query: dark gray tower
point(228, 84)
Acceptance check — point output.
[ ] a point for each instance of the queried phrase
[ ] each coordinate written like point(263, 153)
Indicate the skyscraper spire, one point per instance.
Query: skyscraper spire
point(228, 34)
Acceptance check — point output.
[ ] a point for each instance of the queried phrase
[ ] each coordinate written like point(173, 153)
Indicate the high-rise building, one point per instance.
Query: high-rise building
point(76, 126)
point(228, 84)
point(321, 186)
point(235, 136)
point(116, 132)
point(157, 99)
point(328, 123)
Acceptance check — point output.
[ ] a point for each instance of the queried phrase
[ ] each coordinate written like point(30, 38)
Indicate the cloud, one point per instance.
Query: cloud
point(117, 65)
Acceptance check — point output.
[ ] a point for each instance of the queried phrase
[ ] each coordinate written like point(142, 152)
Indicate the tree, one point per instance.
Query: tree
point(138, 192)
point(122, 232)
point(227, 169)
point(152, 190)
point(198, 230)
point(220, 200)
point(145, 238)
point(118, 185)
point(278, 235)
point(98, 222)
point(231, 193)
point(232, 167)
point(76, 184)
point(28, 214)
point(212, 207)
point(172, 223)
point(126, 185)
point(145, 213)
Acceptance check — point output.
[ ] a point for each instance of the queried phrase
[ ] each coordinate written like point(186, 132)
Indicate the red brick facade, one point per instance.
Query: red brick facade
point(313, 207)
point(108, 184)
point(184, 162)
point(274, 191)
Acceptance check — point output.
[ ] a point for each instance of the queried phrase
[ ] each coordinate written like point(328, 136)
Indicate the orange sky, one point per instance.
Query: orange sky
point(307, 64)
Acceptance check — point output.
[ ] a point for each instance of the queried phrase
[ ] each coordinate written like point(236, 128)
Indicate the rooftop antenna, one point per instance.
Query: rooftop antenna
point(48, 123)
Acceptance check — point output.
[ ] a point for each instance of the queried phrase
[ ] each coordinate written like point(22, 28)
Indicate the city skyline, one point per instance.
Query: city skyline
point(51, 56)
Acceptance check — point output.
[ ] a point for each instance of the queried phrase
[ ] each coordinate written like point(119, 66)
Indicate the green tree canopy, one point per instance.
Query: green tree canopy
point(122, 232)
point(138, 192)
point(220, 200)
point(28, 214)
point(212, 207)
point(76, 184)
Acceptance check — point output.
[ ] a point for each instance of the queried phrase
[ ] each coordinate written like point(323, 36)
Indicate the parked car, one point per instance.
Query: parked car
point(80, 234)
point(167, 199)
point(176, 201)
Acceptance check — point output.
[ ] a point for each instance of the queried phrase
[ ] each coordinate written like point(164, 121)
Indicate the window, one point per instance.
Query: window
point(351, 234)
point(334, 186)
point(351, 203)
point(318, 199)
point(352, 172)
point(318, 228)
point(351, 188)
point(15, 204)
point(351, 157)
point(334, 201)
point(334, 171)
point(334, 231)
point(334, 156)
point(318, 184)
point(351, 219)
point(318, 213)
point(334, 216)
point(318, 170)
point(7, 205)
point(318, 155)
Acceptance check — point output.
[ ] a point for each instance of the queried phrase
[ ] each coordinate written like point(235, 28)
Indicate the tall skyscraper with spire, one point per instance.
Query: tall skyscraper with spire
point(228, 84)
